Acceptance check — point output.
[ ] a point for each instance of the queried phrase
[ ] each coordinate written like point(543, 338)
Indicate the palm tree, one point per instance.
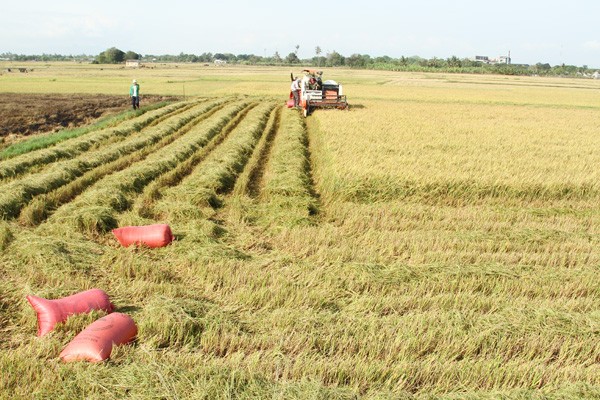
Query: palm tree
point(318, 52)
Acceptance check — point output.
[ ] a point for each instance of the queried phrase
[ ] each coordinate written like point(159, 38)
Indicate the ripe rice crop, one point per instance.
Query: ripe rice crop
point(249, 180)
point(222, 166)
point(153, 191)
point(287, 182)
point(18, 193)
point(460, 153)
point(113, 193)
point(438, 240)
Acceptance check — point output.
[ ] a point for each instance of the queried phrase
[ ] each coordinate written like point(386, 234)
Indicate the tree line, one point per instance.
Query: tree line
point(452, 64)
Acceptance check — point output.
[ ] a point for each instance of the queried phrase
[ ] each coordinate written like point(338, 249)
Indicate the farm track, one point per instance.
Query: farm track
point(274, 189)
point(261, 129)
point(461, 192)
point(271, 154)
point(16, 194)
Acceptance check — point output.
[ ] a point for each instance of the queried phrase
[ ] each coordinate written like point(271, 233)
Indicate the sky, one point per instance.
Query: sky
point(549, 31)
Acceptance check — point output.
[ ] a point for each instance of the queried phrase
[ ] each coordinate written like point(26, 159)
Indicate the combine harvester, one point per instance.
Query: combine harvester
point(317, 94)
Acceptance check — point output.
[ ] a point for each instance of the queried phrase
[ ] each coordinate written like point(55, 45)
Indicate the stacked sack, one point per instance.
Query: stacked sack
point(95, 342)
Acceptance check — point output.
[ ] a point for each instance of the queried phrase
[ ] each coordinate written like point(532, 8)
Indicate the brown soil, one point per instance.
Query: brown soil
point(28, 114)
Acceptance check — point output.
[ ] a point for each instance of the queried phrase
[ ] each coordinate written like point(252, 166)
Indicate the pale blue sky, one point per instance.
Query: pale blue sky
point(549, 31)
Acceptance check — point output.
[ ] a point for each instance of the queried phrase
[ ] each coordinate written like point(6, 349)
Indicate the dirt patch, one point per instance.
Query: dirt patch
point(28, 114)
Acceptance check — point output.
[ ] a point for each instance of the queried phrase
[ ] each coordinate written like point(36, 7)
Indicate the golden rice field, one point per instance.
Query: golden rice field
point(441, 239)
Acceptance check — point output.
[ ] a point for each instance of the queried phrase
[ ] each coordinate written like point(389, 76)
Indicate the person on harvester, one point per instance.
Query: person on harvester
point(134, 93)
point(296, 91)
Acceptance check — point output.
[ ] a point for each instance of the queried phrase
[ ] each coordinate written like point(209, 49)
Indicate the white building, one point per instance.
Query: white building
point(487, 60)
point(133, 63)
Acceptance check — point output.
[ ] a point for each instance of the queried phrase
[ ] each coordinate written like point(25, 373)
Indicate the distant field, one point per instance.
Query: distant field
point(441, 239)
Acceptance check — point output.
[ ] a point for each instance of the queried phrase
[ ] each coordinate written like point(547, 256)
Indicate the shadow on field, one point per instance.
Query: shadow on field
point(356, 106)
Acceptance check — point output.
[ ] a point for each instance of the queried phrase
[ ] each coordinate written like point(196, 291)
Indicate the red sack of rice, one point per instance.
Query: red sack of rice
point(158, 235)
point(95, 343)
point(51, 312)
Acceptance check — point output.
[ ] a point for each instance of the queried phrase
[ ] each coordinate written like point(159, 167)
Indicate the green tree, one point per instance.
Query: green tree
point(454, 62)
point(183, 57)
point(318, 52)
point(434, 62)
point(205, 57)
point(111, 56)
point(292, 58)
point(132, 55)
point(254, 59)
point(335, 59)
point(226, 57)
point(358, 61)
point(540, 69)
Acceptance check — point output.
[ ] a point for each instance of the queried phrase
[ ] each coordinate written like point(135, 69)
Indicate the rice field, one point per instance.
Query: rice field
point(438, 240)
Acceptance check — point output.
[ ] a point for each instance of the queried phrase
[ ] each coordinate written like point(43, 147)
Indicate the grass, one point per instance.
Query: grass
point(438, 240)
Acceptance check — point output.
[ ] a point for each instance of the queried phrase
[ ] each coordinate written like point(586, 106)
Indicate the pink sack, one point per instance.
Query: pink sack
point(51, 312)
point(95, 343)
point(158, 235)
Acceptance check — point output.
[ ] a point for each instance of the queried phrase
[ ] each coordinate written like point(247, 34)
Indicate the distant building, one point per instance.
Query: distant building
point(504, 59)
point(487, 60)
point(133, 63)
point(220, 62)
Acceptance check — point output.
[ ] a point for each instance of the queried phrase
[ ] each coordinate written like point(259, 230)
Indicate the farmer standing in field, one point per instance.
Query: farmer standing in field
point(134, 93)
point(296, 91)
